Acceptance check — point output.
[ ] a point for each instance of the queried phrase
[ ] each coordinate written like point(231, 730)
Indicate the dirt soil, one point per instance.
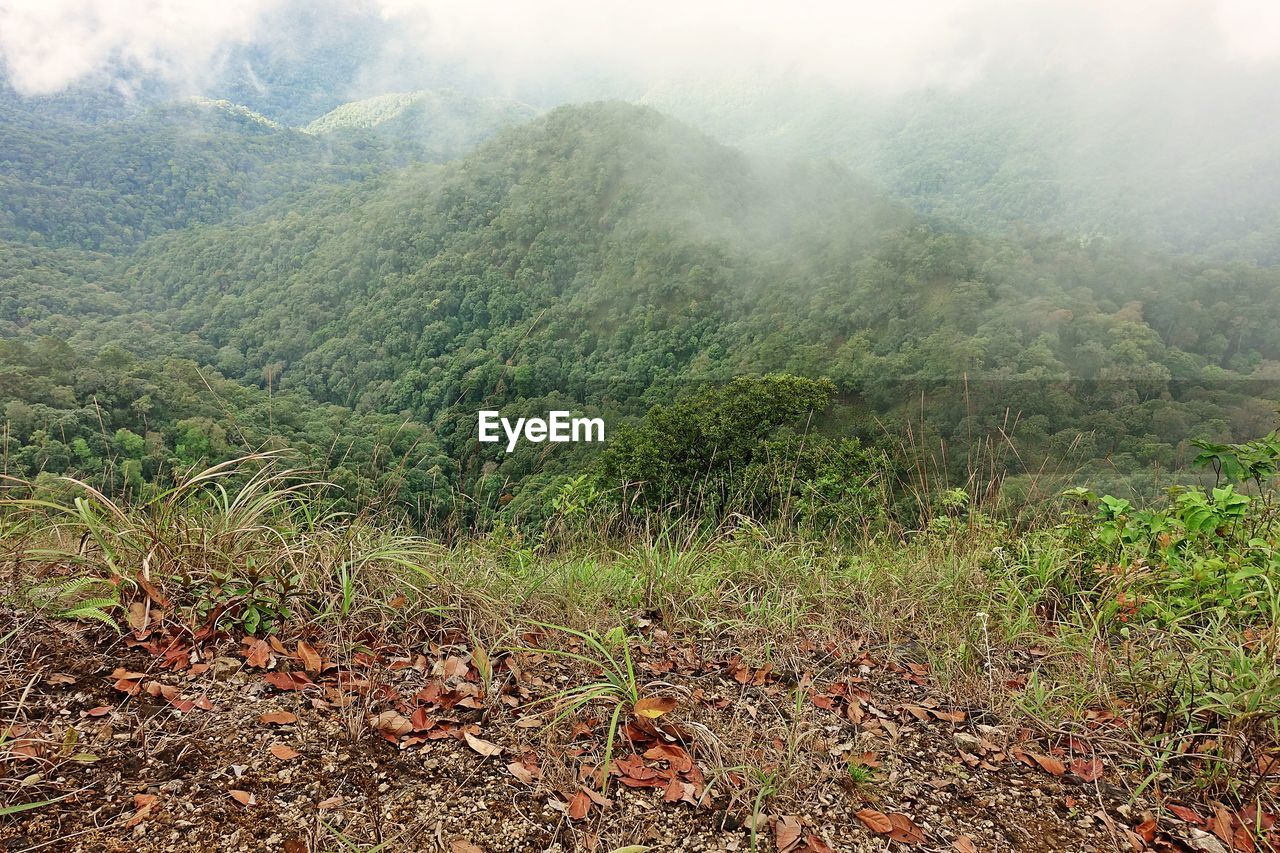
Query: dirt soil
point(162, 740)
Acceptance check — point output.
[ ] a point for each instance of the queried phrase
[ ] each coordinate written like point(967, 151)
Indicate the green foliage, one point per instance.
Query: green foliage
point(604, 259)
point(81, 597)
point(746, 446)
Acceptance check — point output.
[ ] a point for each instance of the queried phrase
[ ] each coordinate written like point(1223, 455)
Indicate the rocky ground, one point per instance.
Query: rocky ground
point(167, 740)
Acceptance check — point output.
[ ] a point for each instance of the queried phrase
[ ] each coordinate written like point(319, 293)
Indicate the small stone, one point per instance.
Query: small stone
point(223, 668)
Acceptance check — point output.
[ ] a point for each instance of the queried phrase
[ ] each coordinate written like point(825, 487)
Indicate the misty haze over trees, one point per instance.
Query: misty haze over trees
point(935, 350)
point(1030, 250)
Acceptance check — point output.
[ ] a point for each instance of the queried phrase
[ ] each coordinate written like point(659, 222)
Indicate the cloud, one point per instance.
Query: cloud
point(49, 44)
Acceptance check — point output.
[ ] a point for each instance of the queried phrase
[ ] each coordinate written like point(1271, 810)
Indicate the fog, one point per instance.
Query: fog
point(524, 48)
point(1146, 118)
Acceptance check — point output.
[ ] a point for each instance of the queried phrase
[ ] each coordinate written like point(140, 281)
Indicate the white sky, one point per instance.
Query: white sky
point(49, 44)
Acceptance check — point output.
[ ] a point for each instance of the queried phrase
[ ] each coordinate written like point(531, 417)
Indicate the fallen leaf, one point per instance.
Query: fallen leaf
point(875, 821)
point(460, 846)
point(674, 755)
point(786, 833)
point(522, 773)
point(137, 616)
point(278, 718)
point(579, 805)
point(905, 830)
point(331, 803)
point(1191, 816)
point(1088, 769)
point(287, 680)
point(1049, 764)
point(153, 592)
point(283, 752)
point(391, 723)
point(481, 746)
point(652, 707)
point(258, 655)
point(817, 845)
point(244, 798)
point(99, 711)
point(421, 722)
point(965, 844)
point(309, 657)
point(143, 804)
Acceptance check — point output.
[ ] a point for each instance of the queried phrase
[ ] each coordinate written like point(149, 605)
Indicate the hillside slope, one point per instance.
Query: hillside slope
point(609, 256)
point(424, 125)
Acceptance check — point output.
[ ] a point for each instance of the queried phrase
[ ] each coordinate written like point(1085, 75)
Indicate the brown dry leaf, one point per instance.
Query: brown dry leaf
point(875, 821)
point(391, 723)
point(258, 654)
point(284, 752)
point(905, 830)
point(965, 844)
point(331, 803)
point(137, 615)
point(278, 718)
point(458, 845)
point(309, 657)
point(579, 805)
point(865, 759)
point(676, 756)
point(482, 746)
point(786, 833)
point(153, 592)
point(522, 773)
point(143, 803)
point(1049, 764)
point(652, 707)
point(244, 798)
point(287, 680)
point(817, 845)
point(1088, 769)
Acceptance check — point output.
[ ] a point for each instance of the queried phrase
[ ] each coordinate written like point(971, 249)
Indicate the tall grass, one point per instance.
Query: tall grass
point(1028, 622)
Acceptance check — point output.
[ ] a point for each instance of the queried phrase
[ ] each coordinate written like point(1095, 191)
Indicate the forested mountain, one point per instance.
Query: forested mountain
point(606, 257)
point(109, 185)
point(422, 126)
point(1181, 163)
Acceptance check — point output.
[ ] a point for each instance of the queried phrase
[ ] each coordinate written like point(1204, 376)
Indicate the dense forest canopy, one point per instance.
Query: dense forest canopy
point(303, 258)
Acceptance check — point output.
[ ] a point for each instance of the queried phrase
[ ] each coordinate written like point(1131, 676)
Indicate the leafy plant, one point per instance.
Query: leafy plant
point(81, 598)
point(618, 686)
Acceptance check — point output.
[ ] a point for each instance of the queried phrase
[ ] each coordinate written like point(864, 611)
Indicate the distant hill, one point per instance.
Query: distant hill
point(1185, 165)
point(423, 125)
point(108, 186)
point(606, 257)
